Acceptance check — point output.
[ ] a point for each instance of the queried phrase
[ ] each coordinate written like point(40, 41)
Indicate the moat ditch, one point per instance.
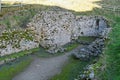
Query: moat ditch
point(58, 34)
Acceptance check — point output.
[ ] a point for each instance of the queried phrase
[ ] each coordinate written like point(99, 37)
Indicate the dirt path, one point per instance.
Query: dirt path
point(43, 69)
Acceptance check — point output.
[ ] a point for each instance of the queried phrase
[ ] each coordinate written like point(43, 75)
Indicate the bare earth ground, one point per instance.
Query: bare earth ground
point(44, 69)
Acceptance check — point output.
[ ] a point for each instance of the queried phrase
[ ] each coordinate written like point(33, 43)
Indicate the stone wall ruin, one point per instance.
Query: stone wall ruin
point(56, 28)
point(52, 29)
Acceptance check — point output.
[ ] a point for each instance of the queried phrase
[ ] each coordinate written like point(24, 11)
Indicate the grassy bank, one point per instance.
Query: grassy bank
point(19, 54)
point(71, 69)
point(8, 71)
point(12, 68)
point(16, 20)
point(112, 54)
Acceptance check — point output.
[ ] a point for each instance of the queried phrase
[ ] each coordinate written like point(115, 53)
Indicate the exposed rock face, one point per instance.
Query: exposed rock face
point(53, 28)
point(16, 41)
point(94, 49)
point(56, 28)
point(91, 26)
point(24, 45)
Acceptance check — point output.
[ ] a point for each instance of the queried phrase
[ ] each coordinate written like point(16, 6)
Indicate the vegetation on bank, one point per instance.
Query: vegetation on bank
point(111, 56)
point(14, 37)
point(71, 69)
point(21, 60)
point(19, 54)
point(8, 71)
point(16, 19)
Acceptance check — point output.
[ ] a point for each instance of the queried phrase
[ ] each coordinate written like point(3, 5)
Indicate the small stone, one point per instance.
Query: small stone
point(91, 75)
point(2, 62)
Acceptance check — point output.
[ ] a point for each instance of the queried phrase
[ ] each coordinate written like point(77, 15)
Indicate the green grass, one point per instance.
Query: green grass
point(87, 39)
point(8, 71)
point(18, 19)
point(43, 53)
point(71, 46)
point(71, 70)
point(112, 71)
point(19, 54)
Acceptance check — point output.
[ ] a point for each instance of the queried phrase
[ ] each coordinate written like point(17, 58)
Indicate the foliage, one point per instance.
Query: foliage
point(86, 38)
